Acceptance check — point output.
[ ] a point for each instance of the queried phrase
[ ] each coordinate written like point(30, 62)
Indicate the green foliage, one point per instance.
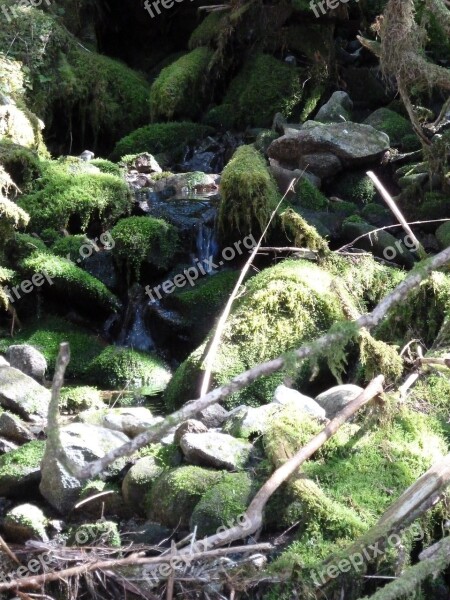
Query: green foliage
point(178, 91)
point(69, 246)
point(354, 186)
point(6, 277)
point(308, 196)
point(106, 166)
point(65, 191)
point(76, 399)
point(249, 194)
point(18, 462)
point(117, 368)
point(144, 239)
point(207, 33)
point(160, 137)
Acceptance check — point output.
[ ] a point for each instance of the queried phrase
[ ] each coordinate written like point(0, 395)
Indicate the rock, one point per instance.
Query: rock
point(284, 177)
point(82, 443)
point(392, 124)
point(352, 143)
point(212, 416)
point(189, 426)
point(321, 164)
point(138, 481)
point(131, 421)
point(25, 522)
point(3, 362)
point(278, 123)
point(245, 421)
point(6, 446)
point(337, 109)
point(100, 533)
point(284, 395)
point(20, 469)
point(145, 163)
point(87, 155)
point(12, 428)
point(28, 360)
point(23, 395)
point(15, 126)
point(336, 398)
point(217, 450)
point(149, 534)
point(101, 265)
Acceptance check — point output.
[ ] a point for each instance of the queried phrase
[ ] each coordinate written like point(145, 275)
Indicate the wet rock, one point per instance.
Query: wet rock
point(189, 426)
point(337, 109)
point(101, 265)
point(28, 360)
point(284, 395)
point(217, 450)
point(12, 428)
point(322, 164)
point(336, 398)
point(25, 522)
point(212, 416)
point(138, 481)
point(23, 395)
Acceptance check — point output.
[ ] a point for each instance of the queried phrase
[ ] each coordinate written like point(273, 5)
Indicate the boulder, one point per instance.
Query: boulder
point(3, 362)
point(284, 395)
point(336, 398)
point(131, 421)
point(25, 522)
point(212, 416)
point(217, 450)
point(145, 163)
point(138, 481)
point(28, 360)
point(189, 426)
point(23, 395)
point(321, 164)
point(245, 421)
point(12, 428)
point(20, 469)
point(82, 443)
point(337, 109)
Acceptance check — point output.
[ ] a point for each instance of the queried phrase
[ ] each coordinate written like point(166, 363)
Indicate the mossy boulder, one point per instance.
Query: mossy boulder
point(76, 399)
point(179, 90)
point(100, 533)
point(20, 469)
point(21, 163)
point(106, 166)
point(175, 494)
point(25, 522)
point(207, 33)
point(69, 246)
point(139, 480)
point(391, 123)
point(354, 186)
point(443, 235)
point(309, 196)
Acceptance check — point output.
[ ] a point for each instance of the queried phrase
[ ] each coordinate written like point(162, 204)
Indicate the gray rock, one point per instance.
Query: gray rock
point(337, 109)
point(189, 426)
point(131, 421)
point(12, 428)
point(6, 446)
point(3, 362)
point(279, 122)
point(28, 360)
point(246, 421)
point(146, 163)
point(322, 164)
point(217, 450)
point(336, 398)
point(284, 395)
point(20, 469)
point(284, 176)
point(82, 443)
point(212, 416)
point(352, 143)
point(138, 481)
point(25, 522)
point(23, 395)
point(86, 155)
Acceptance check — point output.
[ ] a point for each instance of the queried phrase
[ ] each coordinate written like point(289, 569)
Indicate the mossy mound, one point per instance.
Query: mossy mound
point(22, 164)
point(76, 399)
point(12, 218)
point(21, 246)
point(443, 235)
point(354, 186)
point(207, 33)
point(141, 240)
point(391, 123)
point(179, 90)
point(100, 533)
point(20, 467)
point(69, 281)
point(160, 137)
point(308, 196)
point(435, 205)
point(106, 166)
point(175, 494)
point(249, 194)
point(64, 192)
point(117, 368)
point(69, 246)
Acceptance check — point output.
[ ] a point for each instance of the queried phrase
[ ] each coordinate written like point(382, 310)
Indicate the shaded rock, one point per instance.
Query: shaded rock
point(131, 421)
point(392, 124)
point(278, 123)
point(28, 360)
point(212, 416)
point(12, 428)
point(322, 164)
point(284, 177)
point(148, 533)
point(245, 421)
point(25, 522)
point(6, 446)
point(337, 109)
point(20, 469)
point(145, 163)
point(101, 265)
point(284, 395)
point(217, 450)
point(189, 426)
point(336, 398)
point(23, 395)
point(138, 481)
point(82, 443)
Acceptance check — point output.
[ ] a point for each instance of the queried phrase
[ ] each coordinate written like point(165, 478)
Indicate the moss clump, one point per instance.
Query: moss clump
point(308, 196)
point(161, 137)
point(221, 117)
point(27, 522)
point(144, 239)
point(12, 217)
point(249, 193)
point(18, 464)
point(21, 164)
point(69, 246)
point(65, 192)
point(178, 91)
point(76, 399)
point(175, 494)
point(105, 533)
point(264, 87)
point(207, 33)
point(119, 367)
point(106, 166)
point(221, 505)
point(264, 139)
point(391, 123)
point(434, 206)
point(6, 278)
point(22, 245)
point(443, 235)
point(83, 289)
point(355, 186)
point(300, 233)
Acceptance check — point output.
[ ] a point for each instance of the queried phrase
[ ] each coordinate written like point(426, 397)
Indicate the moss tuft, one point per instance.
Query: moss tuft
point(207, 33)
point(300, 233)
point(354, 186)
point(76, 399)
point(308, 196)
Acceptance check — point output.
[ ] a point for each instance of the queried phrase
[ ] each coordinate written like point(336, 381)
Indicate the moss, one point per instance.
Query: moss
point(443, 235)
point(28, 521)
point(222, 117)
point(345, 208)
point(161, 137)
point(378, 357)
point(17, 463)
point(300, 233)
point(175, 494)
point(391, 123)
point(6, 278)
point(262, 88)
point(83, 289)
point(249, 193)
point(434, 206)
point(21, 163)
point(372, 211)
point(223, 504)
point(22, 245)
point(308, 196)
point(178, 91)
point(355, 186)
point(207, 33)
point(119, 367)
point(144, 239)
point(64, 192)
point(106, 166)
point(105, 533)
point(264, 139)
point(69, 246)
point(76, 399)
point(12, 217)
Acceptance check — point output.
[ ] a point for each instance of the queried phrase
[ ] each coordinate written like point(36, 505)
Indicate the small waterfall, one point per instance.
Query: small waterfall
point(134, 332)
point(206, 244)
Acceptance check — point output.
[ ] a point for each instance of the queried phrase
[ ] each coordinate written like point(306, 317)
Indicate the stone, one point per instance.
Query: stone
point(321, 164)
point(12, 428)
point(284, 177)
point(25, 522)
point(217, 450)
point(212, 416)
point(129, 420)
point(23, 395)
point(6, 446)
point(3, 362)
point(138, 481)
point(82, 443)
point(148, 533)
point(20, 469)
point(336, 398)
point(189, 426)
point(145, 163)
point(246, 421)
point(353, 143)
point(279, 122)
point(337, 109)
point(87, 155)
point(284, 395)
point(28, 360)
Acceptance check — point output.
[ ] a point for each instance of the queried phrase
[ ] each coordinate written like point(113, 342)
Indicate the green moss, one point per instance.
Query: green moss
point(119, 367)
point(160, 137)
point(308, 196)
point(175, 494)
point(64, 191)
point(300, 233)
point(207, 33)
point(69, 246)
point(178, 91)
point(105, 533)
point(222, 117)
point(144, 239)
point(106, 166)
point(12, 218)
point(29, 519)
point(435, 205)
point(355, 186)
point(249, 194)
point(264, 139)
point(17, 463)
point(76, 399)
point(22, 245)
point(373, 211)
point(443, 235)
point(391, 123)
point(6, 278)
point(21, 164)
point(67, 279)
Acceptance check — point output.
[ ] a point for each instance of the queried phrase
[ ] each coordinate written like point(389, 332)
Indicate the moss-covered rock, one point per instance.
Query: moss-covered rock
point(20, 469)
point(21, 163)
point(354, 186)
point(25, 522)
point(100, 533)
point(207, 33)
point(12, 218)
point(443, 235)
point(175, 494)
point(309, 196)
point(139, 480)
point(391, 123)
point(119, 367)
point(69, 246)
point(76, 399)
